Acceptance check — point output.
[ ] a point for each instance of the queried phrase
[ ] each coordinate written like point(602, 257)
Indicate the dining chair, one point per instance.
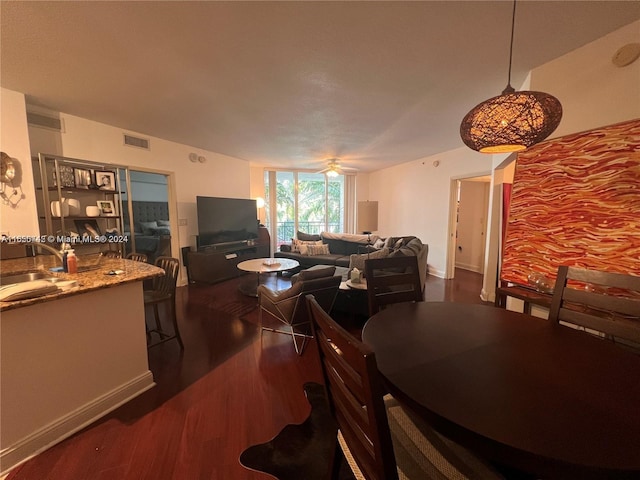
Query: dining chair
point(112, 254)
point(163, 291)
point(380, 439)
point(290, 308)
point(392, 280)
point(604, 302)
point(138, 257)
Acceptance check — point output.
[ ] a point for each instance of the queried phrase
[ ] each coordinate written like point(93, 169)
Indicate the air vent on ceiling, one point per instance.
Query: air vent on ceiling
point(39, 120)
point(136, 141)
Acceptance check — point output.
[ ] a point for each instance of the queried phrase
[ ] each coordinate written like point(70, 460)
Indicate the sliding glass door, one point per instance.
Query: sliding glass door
point(306, 202)
point(146, 217)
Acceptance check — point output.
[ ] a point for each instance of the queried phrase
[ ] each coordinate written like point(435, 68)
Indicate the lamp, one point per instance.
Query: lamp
point(367, 218)
point(513, 121)
point(260, 205)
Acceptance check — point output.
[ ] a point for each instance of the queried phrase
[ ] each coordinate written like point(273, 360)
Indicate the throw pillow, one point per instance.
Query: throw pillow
point(313, 273)
point(379, 244)
point(296, 244)
point(146, 227)
point(357, 261)
point(312, 250)
point(163, 223)
point(307, 237)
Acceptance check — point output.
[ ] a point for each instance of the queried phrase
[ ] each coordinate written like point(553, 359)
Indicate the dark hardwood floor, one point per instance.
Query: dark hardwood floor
point(231, 388)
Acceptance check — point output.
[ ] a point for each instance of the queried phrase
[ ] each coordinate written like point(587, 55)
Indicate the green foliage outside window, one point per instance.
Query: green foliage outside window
point(320, 205)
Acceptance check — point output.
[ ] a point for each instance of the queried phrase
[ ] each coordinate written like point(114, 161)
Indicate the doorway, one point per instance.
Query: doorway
point(147, 218)
point(469, 209)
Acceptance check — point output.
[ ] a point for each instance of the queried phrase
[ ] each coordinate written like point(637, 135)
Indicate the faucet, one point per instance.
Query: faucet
point(48, 248)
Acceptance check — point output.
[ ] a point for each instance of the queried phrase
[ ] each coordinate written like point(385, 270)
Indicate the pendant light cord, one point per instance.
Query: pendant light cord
point(509, 88)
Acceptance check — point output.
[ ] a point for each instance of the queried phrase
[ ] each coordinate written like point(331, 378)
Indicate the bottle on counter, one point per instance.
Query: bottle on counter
point(72, 262)
point(64, 251)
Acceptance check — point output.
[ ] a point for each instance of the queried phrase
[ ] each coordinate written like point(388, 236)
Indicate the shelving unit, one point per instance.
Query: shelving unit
point(68, 187)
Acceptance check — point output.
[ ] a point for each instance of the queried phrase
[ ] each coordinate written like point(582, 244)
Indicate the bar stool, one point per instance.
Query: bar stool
point(164, 291)
point(138, 257)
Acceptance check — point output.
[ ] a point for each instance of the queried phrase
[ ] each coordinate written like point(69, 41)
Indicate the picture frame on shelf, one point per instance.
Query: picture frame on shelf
point(82, 177)
point(106, 180)
point(107, 208)
point(87, 228)
point(67, 177)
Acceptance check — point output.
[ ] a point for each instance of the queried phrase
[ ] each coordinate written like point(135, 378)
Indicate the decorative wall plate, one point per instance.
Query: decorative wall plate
point(8, 169)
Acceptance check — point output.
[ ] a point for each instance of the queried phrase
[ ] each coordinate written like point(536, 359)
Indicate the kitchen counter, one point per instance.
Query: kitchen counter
point(96, 278)
point(70, 357)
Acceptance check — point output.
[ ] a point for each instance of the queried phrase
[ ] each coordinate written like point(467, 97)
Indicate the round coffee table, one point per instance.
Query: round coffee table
point(263, 265)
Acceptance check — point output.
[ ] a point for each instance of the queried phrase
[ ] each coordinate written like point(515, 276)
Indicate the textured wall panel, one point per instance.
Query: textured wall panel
point(576, 201)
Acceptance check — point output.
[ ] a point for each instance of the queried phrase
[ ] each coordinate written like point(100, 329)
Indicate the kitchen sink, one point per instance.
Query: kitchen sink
point(27, 277)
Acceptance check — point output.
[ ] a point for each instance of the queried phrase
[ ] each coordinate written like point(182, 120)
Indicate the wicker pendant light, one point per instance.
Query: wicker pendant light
point(513, 121)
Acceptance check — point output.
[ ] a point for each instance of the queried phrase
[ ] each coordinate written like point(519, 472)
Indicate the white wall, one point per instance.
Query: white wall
point(14, 141)
point(593, 91)
point(256, 182)
point(219, 176)
point(413, 198)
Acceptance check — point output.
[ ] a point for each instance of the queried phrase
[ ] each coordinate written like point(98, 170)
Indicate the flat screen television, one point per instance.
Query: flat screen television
point(226, 220)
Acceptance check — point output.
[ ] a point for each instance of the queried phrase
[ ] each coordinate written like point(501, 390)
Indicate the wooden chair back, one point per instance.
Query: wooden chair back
point(355, 394)
point(164, 291)
point(165, 285)
point(138, 257)
point(392, 280)
point(602, 301)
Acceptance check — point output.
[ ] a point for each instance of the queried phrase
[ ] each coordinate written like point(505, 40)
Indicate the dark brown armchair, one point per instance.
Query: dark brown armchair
point(289, 306)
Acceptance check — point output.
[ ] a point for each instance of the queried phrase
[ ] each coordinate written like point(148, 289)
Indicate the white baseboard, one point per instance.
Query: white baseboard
point(436, 273)
point(55, 432)
point(471, 268)
point(487, 296)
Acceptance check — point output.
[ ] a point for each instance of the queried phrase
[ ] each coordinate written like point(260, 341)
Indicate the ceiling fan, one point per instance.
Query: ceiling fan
point(334, 169)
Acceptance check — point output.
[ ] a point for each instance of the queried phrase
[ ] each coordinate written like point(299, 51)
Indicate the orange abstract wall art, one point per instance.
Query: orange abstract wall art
point(576, 201)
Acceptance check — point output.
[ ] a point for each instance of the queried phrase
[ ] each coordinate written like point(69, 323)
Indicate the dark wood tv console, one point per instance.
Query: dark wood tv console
point(217, 263)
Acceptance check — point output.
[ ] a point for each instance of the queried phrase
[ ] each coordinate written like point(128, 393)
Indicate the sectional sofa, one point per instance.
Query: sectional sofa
point(349, 250)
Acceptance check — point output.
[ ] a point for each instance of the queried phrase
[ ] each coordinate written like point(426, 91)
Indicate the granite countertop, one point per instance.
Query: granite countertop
point(95, 278)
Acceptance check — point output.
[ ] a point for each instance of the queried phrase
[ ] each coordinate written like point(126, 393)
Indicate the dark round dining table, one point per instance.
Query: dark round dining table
point(521, 391)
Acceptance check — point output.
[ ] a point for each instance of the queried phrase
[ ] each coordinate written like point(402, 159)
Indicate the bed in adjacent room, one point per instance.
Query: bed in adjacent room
point(151, 229)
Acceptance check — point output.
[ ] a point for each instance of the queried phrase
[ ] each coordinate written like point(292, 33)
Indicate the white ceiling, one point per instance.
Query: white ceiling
point(288, 83)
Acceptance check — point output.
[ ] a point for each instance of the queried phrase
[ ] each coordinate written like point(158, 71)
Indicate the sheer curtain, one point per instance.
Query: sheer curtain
point(350, 204)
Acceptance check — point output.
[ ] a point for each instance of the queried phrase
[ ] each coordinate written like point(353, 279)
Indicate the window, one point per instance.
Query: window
point(308, 202)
